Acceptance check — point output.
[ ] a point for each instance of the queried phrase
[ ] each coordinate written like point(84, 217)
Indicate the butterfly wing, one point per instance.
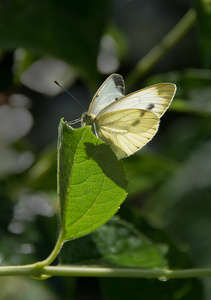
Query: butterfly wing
point(155, 98)
point(111, 90)
point(127, 131)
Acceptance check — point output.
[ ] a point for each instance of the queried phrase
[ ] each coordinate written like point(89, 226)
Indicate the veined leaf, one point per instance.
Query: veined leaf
point(117, 243)
point(91, 181)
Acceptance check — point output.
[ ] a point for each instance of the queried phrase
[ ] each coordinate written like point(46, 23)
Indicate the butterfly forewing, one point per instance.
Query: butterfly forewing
point(111, 90)
point(126, 131)
point(155, 98)
point(127, 123)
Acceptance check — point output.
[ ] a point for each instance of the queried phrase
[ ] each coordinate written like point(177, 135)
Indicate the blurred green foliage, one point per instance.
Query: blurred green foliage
point(169, 180)
point(49, 27)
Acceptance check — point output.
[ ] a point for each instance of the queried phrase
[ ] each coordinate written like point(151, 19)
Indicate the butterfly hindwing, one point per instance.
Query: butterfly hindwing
point(111, 90)
point(126, 131)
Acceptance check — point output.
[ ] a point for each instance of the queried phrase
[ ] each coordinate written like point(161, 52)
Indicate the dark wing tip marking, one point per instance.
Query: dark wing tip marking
point(119, 83)
point(150, 106)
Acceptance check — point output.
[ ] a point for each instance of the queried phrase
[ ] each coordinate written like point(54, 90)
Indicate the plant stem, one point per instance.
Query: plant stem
point(26, 270)
point(126, 272)
point(31, 270)
point(152, 57)
point(53, 254)
point(35, 270)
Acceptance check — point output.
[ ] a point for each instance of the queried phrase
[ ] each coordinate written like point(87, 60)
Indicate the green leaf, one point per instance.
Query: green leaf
point(91, 181)
point(117, 243)
point(69, 30)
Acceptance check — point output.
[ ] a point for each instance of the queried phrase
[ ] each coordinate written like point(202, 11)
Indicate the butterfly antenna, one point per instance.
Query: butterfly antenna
point(69, 94)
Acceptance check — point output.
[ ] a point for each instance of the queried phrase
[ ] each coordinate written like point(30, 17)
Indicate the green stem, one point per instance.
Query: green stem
point(27, 270)
point(53, 254)
point(126, 272)
point(31, 270)
point(152, 57)
point(35, 270)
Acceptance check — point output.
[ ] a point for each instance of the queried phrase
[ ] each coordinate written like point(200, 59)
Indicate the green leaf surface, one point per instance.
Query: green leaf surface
point(91, 181)
point(69, 30)
point(117, 243)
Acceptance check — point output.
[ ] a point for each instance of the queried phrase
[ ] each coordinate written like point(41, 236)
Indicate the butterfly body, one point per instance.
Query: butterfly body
point(127, 123)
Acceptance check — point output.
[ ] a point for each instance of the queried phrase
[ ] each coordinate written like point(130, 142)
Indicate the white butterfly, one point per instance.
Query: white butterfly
point(127, 123)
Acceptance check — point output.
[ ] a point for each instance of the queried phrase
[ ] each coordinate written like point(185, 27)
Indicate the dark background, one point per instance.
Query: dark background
point(79, 44)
